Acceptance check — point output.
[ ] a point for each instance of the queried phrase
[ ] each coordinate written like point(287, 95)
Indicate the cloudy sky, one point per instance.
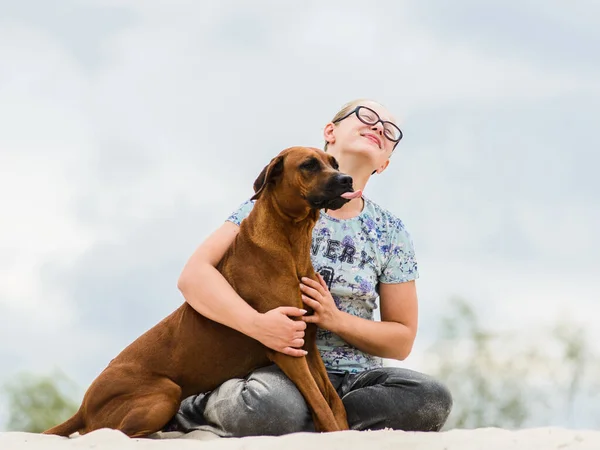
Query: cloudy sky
point(129, 130)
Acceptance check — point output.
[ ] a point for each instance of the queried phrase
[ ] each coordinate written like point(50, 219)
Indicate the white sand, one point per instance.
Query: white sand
point(484, 439)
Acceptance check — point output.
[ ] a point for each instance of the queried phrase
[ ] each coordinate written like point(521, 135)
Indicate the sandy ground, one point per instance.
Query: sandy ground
point(485, 439)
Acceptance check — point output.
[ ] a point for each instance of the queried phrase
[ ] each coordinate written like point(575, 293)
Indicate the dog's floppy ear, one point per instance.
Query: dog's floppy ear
point(270, 173)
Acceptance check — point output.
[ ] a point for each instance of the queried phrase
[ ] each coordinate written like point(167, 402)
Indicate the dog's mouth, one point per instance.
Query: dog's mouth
point(333, 201)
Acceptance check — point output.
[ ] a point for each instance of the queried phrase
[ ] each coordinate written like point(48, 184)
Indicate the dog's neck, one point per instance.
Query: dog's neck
point(297, 226)
point(300, 216)
point(269, 222)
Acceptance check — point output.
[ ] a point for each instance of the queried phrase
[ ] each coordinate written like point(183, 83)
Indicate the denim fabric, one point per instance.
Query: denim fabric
point(267, 403)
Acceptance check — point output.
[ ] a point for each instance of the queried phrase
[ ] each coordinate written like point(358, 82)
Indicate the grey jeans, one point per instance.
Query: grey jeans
point(266, 402)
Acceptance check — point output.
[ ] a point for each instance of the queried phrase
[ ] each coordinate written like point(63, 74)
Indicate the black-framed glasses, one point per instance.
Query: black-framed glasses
point(369, 117)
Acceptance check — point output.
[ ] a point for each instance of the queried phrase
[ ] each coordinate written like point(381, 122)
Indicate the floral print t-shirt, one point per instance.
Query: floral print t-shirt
point(353, 256)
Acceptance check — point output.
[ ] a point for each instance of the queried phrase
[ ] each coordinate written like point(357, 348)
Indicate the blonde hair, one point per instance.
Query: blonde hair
point(346, 109)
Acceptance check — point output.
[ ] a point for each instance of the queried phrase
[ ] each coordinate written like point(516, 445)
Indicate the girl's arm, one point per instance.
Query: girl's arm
point(393, 337)
point(208, 292)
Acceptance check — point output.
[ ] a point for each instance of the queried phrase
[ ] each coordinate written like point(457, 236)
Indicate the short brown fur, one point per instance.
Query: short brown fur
point(186, 353)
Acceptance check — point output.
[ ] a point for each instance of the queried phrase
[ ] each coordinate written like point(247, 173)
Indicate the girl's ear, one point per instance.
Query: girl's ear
point(329, 133)
point(383, 166)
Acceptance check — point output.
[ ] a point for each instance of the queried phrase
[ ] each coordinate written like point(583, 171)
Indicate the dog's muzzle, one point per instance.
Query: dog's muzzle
point(336, 194)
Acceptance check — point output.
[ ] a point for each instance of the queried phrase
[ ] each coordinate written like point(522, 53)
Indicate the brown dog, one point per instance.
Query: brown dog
point(186, 353)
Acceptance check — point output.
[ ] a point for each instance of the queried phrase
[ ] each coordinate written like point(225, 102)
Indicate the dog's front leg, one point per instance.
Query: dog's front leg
point(319, 372)
point(297, 370)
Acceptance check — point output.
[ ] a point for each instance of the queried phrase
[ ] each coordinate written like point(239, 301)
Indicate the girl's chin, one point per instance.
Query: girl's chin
point(363, 148)
point(363, 152)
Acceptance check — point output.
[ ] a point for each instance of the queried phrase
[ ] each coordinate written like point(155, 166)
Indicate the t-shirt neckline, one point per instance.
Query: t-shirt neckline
point(349, 219)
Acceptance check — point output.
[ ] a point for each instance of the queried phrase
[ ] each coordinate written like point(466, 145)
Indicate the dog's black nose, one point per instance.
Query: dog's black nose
point(345, 180)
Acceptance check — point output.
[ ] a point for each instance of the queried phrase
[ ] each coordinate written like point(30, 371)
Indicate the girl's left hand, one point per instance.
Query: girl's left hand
point(316, 295)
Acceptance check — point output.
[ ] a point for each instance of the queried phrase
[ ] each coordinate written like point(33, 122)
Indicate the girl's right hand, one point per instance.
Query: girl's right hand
point(276, 330)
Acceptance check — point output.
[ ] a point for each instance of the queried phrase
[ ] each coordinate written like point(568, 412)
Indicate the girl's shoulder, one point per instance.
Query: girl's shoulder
point(241, 213)
point(382, 217)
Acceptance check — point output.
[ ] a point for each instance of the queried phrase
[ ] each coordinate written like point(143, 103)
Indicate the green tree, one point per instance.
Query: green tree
point(38, 402)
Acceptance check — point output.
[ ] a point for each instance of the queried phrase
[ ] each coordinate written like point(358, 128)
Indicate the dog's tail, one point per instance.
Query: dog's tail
point(68, 427)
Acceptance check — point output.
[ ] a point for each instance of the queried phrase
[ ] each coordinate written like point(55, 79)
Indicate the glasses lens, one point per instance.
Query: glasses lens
point(367, 116)
point(392, 132)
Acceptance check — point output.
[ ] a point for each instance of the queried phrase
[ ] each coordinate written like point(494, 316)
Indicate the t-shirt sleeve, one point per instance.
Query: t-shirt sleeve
point(401, 265)
point(241, 213)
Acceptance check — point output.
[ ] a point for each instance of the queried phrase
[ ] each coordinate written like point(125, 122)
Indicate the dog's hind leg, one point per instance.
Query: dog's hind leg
point(150, 413)
point(143, 410)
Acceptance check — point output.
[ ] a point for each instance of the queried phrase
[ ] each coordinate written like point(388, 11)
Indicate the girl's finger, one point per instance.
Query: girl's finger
point(297, 343)
point(312, 303)
point(322, 281)
point(314, 293)
point(298, 352)
point(310, 319)
point(310, 282)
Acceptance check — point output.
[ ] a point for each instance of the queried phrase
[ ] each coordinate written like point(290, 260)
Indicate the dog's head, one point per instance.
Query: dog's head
point(305, 177)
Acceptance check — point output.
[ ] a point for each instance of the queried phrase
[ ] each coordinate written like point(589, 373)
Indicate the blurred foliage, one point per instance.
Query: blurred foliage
point(509, 379)
point(36, 403)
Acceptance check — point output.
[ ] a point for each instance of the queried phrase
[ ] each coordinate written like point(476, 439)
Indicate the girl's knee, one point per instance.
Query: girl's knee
point(269, 404)
point(437, 405)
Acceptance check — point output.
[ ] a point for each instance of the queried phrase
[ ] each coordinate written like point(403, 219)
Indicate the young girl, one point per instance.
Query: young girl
point(365, 259)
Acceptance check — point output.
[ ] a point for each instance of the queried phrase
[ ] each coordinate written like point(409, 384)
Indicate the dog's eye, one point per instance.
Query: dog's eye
point(334, 164)
point(312, 164)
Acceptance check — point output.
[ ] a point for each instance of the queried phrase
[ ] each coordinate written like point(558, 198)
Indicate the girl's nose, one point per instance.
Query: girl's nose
point(378, 127)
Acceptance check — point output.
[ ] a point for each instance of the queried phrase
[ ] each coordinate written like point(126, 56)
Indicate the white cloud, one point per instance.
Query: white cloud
point(43, 139)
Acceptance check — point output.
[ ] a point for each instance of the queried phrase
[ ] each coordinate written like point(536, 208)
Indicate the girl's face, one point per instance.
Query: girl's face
point(373, 141)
